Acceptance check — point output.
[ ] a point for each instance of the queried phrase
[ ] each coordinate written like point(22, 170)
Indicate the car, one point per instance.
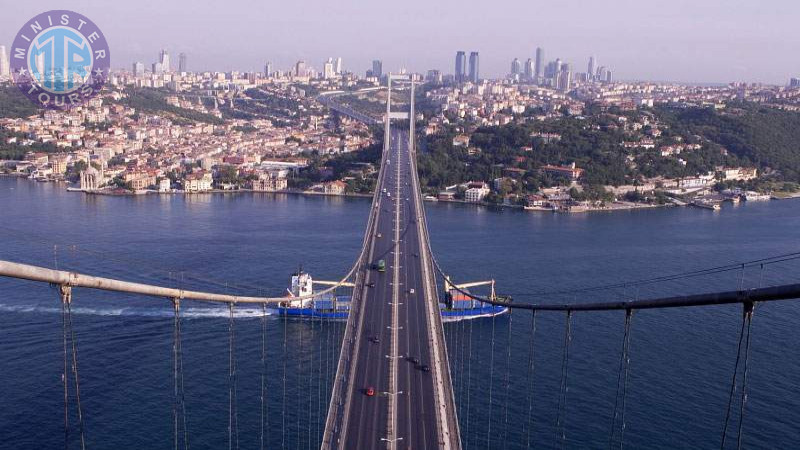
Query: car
point(411, 291)
point(424, 367)
point(379, 235)
point(370, 391)
point(375, 340)
point(412, 360)
point(371, 284)
point(416, 255)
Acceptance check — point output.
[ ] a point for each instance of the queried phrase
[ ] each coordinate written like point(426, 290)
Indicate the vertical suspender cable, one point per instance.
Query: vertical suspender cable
point(507, 383)
point(491, 386)
point(749, 306)
point(65, 375)
point(75, 374)
point(264, 414)
point(531, 367)
point(628, 318)
point(283, 408)
point(562, 398)
point(175, 372)
point(298, 377)
point(469, 385)
point(620, 371)
point(733, 381)
point(233, 422)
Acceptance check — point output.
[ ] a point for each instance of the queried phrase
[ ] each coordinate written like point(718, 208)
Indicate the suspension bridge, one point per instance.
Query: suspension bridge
point(397, 372)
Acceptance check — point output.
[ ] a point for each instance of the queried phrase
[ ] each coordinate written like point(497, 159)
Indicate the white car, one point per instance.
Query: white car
point(411, 291)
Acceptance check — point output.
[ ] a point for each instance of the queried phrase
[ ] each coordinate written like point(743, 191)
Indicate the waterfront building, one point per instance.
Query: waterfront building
point(198, 182)
point(477, 193)
point(92, 179)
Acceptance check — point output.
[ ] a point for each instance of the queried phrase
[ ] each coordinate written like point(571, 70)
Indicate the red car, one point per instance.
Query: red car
point(370, 391)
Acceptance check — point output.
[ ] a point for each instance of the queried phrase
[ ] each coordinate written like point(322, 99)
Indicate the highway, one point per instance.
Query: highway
point(396, 393)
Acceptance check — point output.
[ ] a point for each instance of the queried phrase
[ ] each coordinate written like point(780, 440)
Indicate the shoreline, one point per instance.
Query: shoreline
point(614, 207)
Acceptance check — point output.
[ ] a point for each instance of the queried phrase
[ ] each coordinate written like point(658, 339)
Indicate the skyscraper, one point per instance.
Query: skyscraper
point(564, 78)
point(377, 68)
point(338, 65)
point(300, 69)
point(516, 67)
point(138, 69)
point(529, 69)
point(461, 66)
point(539, 62)
point(4, 63)
point(163, 58)
point(268, 69)
point(474, 74)
point(182, 62)
point(590, 68)
point(328, 69)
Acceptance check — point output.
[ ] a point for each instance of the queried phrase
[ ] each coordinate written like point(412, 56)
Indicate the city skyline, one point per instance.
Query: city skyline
point(657, 43)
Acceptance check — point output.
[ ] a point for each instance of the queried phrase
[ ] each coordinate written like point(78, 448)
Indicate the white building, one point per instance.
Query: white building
point(476, 194)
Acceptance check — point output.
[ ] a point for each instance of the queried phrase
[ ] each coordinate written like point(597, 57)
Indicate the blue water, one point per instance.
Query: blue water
point(681, 360)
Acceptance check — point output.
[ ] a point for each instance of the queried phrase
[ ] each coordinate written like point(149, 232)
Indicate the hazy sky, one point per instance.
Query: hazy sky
point(676, 40)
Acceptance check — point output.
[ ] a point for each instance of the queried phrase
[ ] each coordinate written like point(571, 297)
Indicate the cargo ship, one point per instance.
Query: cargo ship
point(457, 304)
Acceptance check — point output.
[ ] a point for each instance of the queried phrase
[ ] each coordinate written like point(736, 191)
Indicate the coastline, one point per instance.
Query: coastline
point(613, 207)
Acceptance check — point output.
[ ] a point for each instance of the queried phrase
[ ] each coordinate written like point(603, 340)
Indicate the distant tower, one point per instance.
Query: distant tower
point(377, 68)
point(182, 62)
point(163, 58)
point(268, 69)
point(516, 67)
point(539, 62)
point(474, 74)
point(4, 63)
point(461, 66)
point(300, 69)
point(338, 65)
point(590, 68)
point(564, 78)
point(138, 69)
point(609, 76)
point(328, 69)
point(530, 69)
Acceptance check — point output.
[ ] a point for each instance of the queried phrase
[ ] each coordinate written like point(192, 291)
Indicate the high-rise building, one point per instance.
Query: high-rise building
point(338, 65)
point(794, 82)
point(590, 68)
point(461, 67)
point(300, 69)
point(377, 68)
point(530, 69)
point(182, 62)
point(516, 67)
point(564, 78)
point(138, 69)
point(328, 69)
point(268, 69)
point(163, 58)
point(539, 62)
point(609, 76)
point(474, 73)
point(434, 76)
point(157, 68)
point(5, 70)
